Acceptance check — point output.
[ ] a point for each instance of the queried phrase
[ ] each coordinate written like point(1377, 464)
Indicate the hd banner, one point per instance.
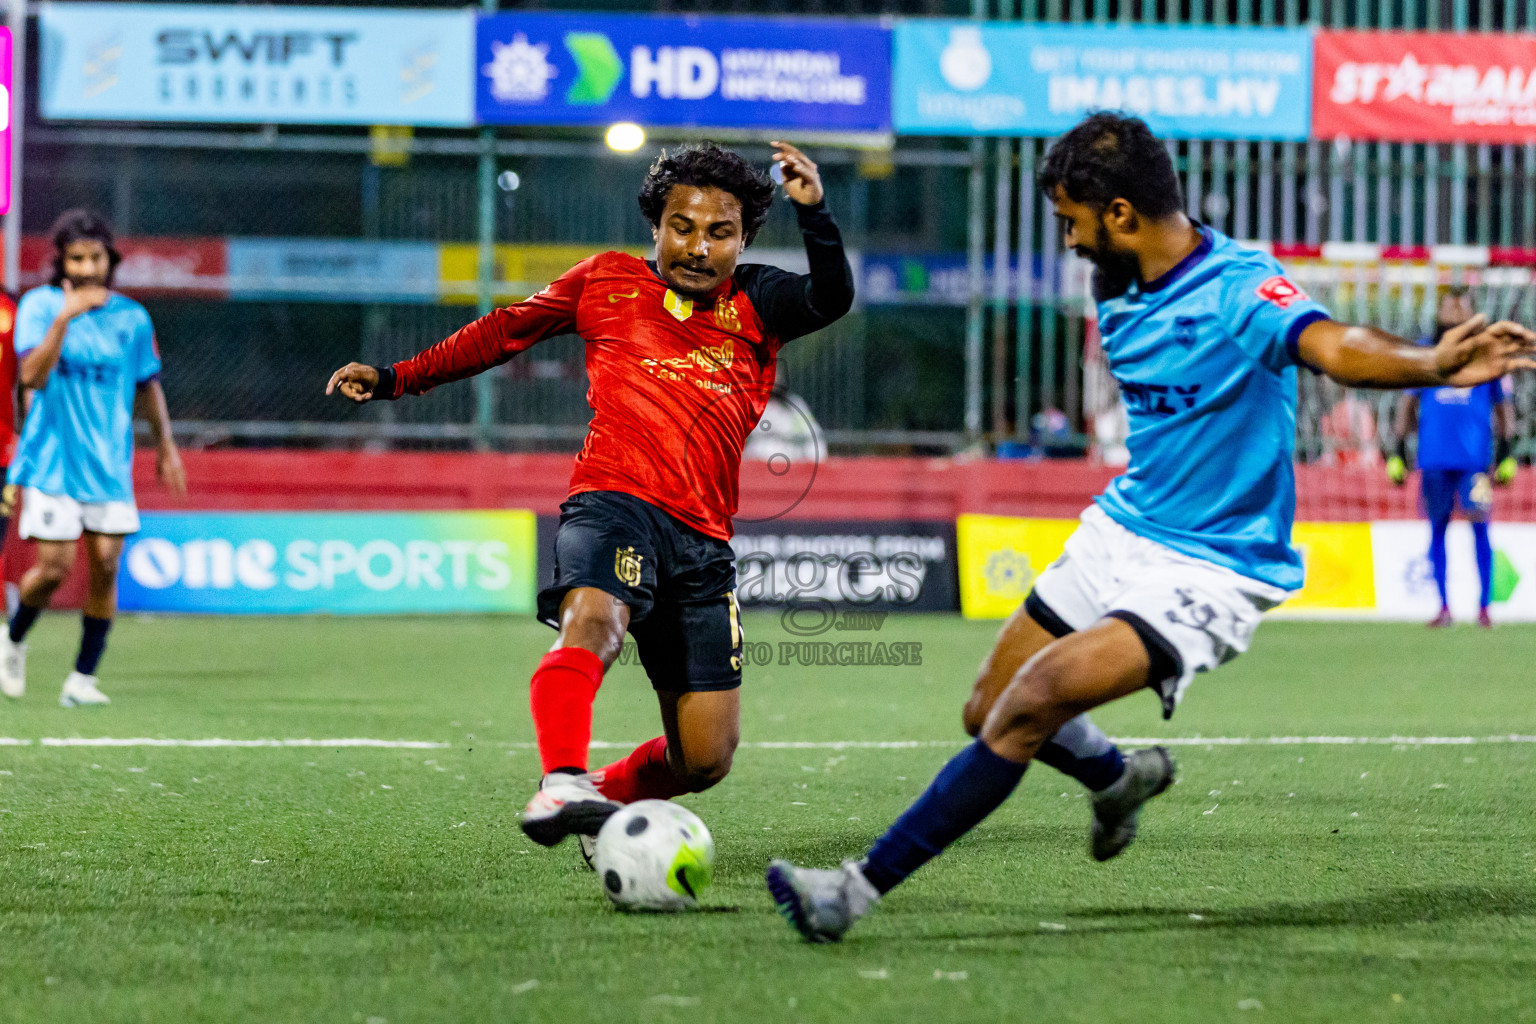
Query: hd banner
point(1425, 87)
point(341, 563)
point(264, 65)
point(788, 74)
point(970, 78)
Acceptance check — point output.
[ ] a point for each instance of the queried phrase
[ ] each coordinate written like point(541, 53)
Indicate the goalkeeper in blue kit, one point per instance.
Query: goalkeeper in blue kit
point(1173, 565)
point(1461, 457)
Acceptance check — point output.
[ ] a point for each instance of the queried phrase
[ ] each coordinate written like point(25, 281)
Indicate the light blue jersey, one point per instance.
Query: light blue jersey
point(78, 436)
point(1206, 359)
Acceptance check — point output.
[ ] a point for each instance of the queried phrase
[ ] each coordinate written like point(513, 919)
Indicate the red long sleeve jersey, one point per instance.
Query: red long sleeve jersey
point(675, 386)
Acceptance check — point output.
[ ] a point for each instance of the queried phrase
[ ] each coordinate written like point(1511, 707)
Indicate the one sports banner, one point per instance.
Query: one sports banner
point(975, 78)
point(785, 74)
point(1425, 87)
point(265, 65)
point(330, 562)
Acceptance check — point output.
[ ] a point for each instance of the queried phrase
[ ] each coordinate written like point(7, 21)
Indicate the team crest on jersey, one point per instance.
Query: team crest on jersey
point(678, 306)
point(626, 566)
point(1280, 291)
point(726, 316)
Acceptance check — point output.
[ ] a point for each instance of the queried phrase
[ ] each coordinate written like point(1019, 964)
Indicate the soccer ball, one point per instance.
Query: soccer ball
point(654, 855)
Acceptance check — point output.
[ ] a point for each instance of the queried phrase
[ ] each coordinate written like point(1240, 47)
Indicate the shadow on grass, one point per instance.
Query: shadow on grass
point(1415, 905)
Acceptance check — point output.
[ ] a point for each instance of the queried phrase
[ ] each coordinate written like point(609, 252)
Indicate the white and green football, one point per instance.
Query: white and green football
point(654, 855)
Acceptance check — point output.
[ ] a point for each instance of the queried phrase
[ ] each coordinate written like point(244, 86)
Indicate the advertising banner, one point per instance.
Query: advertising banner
point(361, 270)
point(969, 78)
point(341, 563)
point(267, 65)
point(1405, 582)
point(1000, 556)
point(574, 69)
point(863, 564)
point(1425, 86)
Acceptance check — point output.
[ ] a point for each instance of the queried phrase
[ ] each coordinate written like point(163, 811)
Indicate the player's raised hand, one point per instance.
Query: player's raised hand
point(355, 381)
point(82, 300)
point(802, 181)
point(1476, 352)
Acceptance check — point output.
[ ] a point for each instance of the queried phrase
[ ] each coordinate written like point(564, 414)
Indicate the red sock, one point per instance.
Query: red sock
point(643, 775)
point(560, 696)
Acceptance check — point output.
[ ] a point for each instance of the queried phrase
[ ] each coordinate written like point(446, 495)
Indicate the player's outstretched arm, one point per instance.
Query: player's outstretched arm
point(1471, 354)
point(473, 348)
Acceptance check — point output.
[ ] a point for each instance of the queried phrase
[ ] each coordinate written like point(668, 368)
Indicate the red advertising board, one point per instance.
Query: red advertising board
point(1425, 86)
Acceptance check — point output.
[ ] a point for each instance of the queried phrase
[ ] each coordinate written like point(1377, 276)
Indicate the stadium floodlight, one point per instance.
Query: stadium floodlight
point(625, 137)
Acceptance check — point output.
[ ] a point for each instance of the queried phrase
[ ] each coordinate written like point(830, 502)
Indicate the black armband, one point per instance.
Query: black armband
point(1503, 448)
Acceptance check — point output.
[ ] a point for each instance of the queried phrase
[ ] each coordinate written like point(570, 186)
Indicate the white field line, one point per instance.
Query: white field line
point(1130, 741)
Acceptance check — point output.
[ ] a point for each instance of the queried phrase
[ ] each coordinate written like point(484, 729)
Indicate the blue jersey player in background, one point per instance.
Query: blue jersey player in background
point(1171, 568)
point(89, 355)
point(1466, 446)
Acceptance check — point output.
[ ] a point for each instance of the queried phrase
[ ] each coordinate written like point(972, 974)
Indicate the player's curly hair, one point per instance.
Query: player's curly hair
point(1110, 156)
point(708, 165)
point(74, 225)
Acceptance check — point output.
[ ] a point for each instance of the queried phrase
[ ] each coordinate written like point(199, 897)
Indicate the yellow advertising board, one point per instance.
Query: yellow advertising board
point(1340, 573)
point(1000, 556)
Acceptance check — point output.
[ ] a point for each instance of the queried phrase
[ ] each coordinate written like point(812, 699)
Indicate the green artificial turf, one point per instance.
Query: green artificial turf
point(1389, 882)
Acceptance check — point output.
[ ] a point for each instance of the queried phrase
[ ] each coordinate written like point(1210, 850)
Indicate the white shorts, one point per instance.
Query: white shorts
point(1192, 614)
point(59, 517)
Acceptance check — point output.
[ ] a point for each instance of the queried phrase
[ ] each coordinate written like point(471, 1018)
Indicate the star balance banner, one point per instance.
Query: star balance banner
point(574, 69)
point(1425, 87)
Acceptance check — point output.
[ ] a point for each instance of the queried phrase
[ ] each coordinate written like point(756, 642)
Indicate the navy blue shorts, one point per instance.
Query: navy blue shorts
point(679, 584)
point(1445, 489)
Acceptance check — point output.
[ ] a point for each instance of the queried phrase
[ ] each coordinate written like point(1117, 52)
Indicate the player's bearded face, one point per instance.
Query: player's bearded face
point(86, 262)
point(1113, 270)
point(699, 239)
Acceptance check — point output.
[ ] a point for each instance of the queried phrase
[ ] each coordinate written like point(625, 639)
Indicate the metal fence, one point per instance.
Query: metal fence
point(925, 376)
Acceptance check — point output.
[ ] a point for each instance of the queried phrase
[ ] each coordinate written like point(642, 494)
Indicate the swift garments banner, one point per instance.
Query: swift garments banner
point(1425, 87)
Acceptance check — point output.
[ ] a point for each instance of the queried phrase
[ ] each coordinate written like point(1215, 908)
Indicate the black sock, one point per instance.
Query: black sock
point(93, 641)
point(22, 621)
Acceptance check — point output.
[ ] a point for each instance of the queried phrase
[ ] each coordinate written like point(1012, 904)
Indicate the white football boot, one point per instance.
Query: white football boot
point(565, 805)
point(821, 903)
point(80, 691)
point(13, 666)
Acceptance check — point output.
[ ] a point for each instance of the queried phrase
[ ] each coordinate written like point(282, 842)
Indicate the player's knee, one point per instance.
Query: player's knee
point(1033, 701)
point(54, 571)
point(701, 771)
point(974, 716)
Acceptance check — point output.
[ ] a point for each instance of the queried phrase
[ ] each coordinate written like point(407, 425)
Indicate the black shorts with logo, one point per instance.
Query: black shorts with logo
point(679, 584)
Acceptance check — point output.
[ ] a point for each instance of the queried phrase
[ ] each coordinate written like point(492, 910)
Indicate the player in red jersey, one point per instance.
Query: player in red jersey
point(681, 354)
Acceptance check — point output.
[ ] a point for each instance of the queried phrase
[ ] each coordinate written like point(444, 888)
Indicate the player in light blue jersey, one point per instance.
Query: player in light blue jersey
point(89, 355)
point(1174, 563)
